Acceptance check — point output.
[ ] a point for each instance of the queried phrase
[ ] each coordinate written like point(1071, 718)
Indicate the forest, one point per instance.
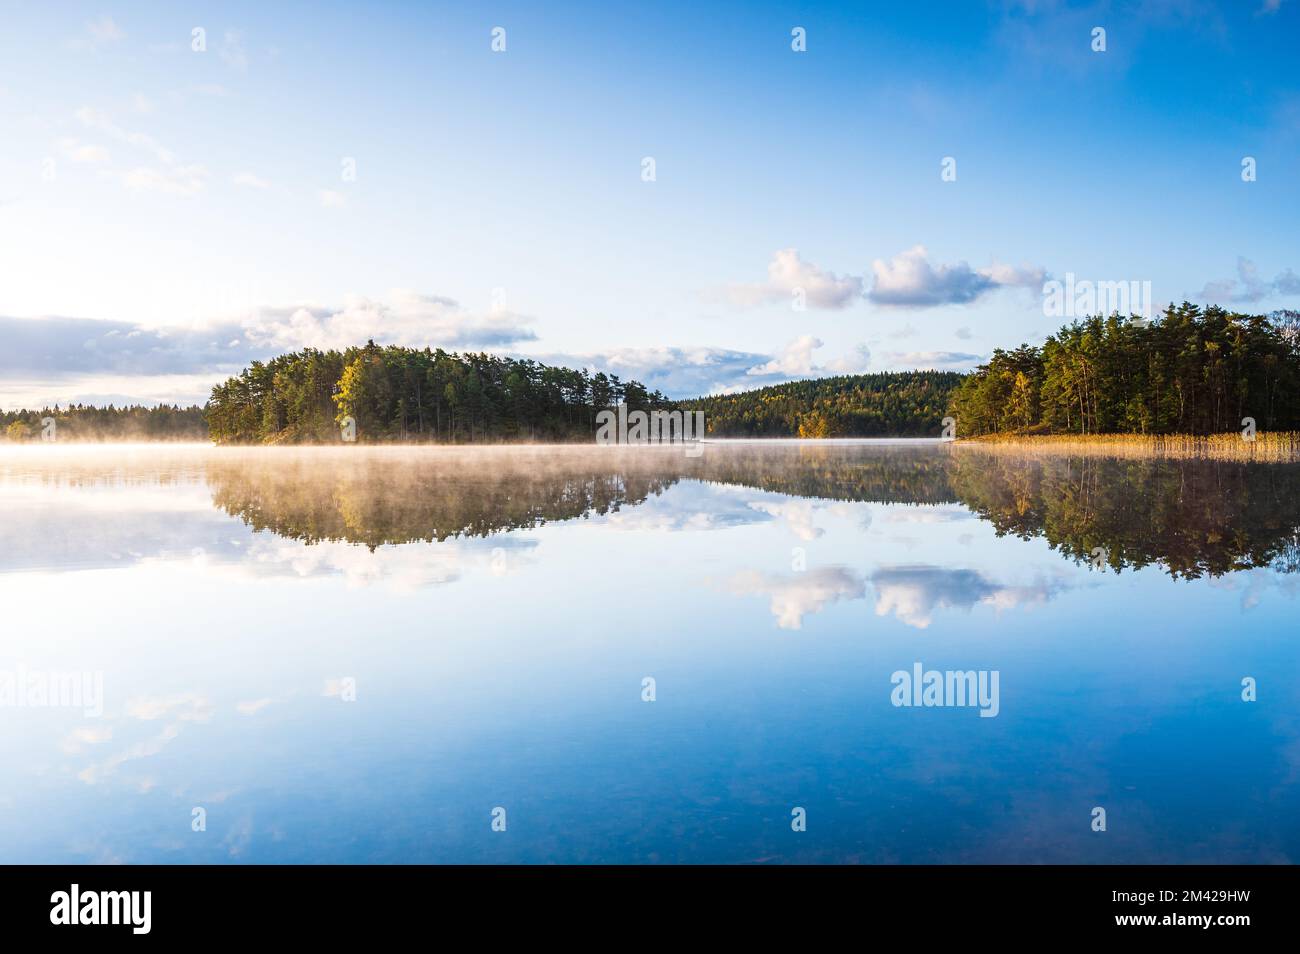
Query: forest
point(397, 394)
point(886, 404)
point(1188, 371)
point(82, 422)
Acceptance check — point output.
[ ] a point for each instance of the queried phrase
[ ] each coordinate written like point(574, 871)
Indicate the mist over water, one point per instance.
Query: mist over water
point(357, 653)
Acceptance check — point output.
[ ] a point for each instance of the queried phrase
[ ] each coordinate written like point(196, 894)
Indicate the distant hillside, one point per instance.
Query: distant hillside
point(894, 403)
point(81, 422)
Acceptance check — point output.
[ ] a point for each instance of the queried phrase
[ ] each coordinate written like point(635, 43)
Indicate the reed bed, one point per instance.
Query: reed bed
point(1273, 447)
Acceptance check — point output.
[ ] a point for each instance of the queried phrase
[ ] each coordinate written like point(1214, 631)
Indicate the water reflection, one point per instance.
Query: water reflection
point(1192, 517)
point(386, 498)
point(499, 609)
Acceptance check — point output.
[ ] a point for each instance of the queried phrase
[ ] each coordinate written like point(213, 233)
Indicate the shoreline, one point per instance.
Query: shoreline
point(1274, 447)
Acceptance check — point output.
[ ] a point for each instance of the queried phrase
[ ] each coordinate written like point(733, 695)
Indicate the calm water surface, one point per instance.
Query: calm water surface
point(498, 611)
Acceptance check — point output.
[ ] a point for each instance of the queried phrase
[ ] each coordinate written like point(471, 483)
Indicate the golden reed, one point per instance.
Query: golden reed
point(1272, 447)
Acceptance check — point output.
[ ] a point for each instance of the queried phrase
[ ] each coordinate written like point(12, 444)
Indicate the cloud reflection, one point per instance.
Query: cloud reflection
point(797, 595)
point(913, 593)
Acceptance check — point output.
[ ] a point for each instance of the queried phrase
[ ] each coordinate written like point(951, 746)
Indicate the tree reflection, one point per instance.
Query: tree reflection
point(1192, 517)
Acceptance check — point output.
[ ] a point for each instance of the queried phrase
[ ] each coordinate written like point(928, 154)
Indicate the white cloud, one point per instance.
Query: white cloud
point(60, 359)
point(854, 363)
point(232, 51)
point(101, 122)
point(678, 372)
point(406, 318)
point(208, 89)
point(251, 181)
point(184, 180)
point(931, 360)
point(1249, 287)
point(104, 30)
point(104, 389)
point(910, 280)
point(168, 177)
point(82, 152)
point(690, 372)
point(90, 154)
point(796, 361)
point(787, 274)
point(331, 199)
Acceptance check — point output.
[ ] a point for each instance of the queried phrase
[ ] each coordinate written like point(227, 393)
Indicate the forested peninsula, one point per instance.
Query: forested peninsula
point(404, 395)
point(1189, 372)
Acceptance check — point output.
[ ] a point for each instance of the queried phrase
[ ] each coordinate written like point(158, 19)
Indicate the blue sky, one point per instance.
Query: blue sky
point(168, 214)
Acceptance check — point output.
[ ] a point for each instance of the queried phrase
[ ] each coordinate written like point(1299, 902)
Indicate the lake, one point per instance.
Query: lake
point(628, 655)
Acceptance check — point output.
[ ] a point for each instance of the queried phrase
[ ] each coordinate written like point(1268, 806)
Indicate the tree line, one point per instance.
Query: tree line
point(400, 394)
point(82, 422)
point(1188, 371)
point(893, 403)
